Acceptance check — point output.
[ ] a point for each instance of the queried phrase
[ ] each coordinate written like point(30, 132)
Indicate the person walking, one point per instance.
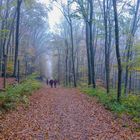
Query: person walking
point(51, 83)
point(47, 81)
point(55, 83)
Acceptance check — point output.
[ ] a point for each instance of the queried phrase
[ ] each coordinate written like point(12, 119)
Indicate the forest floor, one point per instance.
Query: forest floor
point(62, 114)
point(9, 81)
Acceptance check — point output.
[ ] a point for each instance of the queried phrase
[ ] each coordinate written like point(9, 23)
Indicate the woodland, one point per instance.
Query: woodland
point(94, 48)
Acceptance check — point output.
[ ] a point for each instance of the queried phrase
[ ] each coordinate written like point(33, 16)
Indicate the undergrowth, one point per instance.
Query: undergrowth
point(18, 93)
point(129, 105)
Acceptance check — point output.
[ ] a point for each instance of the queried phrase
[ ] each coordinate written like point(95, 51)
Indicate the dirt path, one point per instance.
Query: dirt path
point(62, 114)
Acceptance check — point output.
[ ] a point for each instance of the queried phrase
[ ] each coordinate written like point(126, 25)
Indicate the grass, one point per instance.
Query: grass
point(129, 105)
point(19, 93)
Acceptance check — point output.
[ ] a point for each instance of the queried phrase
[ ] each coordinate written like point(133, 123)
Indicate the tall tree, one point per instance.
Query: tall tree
point(117, 50)
point(107, 26)
point(19, 2)
point(86, 9)
point(91, 42)
point(66, 11)
point(130, 43)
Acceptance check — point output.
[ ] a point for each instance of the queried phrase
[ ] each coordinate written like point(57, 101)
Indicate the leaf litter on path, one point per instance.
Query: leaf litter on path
point(62, 114)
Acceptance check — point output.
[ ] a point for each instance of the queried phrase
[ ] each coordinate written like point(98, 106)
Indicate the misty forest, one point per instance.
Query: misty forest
point(69, 69)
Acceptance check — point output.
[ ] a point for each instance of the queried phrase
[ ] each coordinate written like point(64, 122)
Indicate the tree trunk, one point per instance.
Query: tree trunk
point(91, 45)
point(88, 53)
point(117, 50)
point(5, 69)
point(106, 46)
point(72, 50)
point(66, 63)
point(10, 34)
point(17, 37)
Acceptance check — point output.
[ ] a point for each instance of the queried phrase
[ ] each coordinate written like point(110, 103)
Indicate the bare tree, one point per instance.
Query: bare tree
point(117, 50)
point(130, 44)
point(17, 36)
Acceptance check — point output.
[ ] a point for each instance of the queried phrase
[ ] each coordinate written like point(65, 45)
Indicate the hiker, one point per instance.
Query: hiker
point(47, 81)
point(55, 83)
point(51, 82)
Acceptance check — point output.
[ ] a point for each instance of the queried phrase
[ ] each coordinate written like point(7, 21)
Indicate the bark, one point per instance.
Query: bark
point(69, 71)
point(108, 31)
point(91, 45)
point(88, 53)
point(18, 74)
point(17, 36)
point(117, 51)
point(106, 46)
point(5, 69)
point(10, 34)
point(66, 63)
point(72, 50)
point(58, 66)
point(130, 82)
point(5, 26)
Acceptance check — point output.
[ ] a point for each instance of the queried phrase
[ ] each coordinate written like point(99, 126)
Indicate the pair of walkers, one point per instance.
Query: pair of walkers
point(52, 83)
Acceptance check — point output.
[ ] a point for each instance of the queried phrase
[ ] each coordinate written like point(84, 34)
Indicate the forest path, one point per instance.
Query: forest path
point(62, 114)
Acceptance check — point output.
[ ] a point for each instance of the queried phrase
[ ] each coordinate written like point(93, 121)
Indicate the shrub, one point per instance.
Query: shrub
point(129, 105)
point(18, 93)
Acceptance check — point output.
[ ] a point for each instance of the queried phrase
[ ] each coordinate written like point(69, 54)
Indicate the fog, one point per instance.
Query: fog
point(49, 66)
